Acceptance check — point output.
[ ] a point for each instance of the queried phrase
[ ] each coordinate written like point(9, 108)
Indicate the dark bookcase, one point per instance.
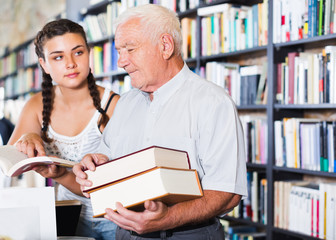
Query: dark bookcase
point(272, 109)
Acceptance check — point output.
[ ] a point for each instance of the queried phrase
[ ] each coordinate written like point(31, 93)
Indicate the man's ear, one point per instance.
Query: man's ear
point(43, 65)
point(167, 45)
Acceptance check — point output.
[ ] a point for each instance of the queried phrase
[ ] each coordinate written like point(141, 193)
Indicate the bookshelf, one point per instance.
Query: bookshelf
point(273, 51)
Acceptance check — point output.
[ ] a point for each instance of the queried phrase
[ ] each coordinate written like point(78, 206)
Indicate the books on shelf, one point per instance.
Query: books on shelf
point(188, 27)
point(229, 27)
point(13, 162)
point(254, 207)
point(249, 82)
point(294, 20)
point(96, 26)
point(135, 163)
point(307, 78)
point(255, 130)
point(165, 184)
point(306, 207)
point(305, 143)
point(225, 75)
point(104, 59)
point(247, 85)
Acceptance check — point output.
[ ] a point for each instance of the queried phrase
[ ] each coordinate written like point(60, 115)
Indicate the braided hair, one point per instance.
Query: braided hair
point(50, 30)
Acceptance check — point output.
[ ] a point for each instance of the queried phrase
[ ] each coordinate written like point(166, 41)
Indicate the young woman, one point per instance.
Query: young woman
point(67, 118)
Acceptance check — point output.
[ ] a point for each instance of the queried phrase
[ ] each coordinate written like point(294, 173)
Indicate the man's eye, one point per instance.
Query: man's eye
point(130, 49)
point(58, 58)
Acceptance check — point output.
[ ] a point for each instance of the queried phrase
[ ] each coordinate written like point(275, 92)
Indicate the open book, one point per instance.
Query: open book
point(13, 162)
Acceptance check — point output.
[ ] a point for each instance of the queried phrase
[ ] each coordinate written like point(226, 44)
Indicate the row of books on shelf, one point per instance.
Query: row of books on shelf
point(247, 85)
point(18, 59)
point(119, 86)
point(305, 143)
point(24, 81)
point(176, 5)
point(241, 232)
point(306, 207)
point(294, 20)
point(104, 58)
point(100, 26)
point(254, 206)
point(307, 77)
point(8, 64)
point(228, 27)
point(225, 27)
point(255, 130)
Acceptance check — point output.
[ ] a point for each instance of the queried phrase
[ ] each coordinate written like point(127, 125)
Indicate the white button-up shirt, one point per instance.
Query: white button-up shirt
point(187, 113)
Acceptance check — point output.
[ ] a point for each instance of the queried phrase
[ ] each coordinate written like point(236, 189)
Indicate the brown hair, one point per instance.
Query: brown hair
point(50, 30)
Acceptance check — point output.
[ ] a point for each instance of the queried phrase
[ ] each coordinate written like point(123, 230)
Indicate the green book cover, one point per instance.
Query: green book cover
point(321, 17)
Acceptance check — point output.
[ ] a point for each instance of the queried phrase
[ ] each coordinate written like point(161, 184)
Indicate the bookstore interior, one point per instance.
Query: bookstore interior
point(275, 58)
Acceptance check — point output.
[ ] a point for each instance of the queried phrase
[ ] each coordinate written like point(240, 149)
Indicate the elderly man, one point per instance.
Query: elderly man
point(170, 106)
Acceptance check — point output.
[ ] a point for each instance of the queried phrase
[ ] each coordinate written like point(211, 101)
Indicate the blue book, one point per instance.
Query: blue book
point(314, 24)
point(233, 230)
point(255, 25)
point(310, 6)
point(114, 56)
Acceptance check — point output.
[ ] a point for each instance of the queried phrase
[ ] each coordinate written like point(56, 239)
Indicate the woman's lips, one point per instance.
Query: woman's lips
point(72, 75)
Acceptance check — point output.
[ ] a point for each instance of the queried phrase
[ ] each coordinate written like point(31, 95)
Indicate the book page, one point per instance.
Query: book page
point(9, 155)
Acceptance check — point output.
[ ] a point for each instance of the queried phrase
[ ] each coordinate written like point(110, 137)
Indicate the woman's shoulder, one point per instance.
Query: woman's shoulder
point(35, 101)
point(34, 106)
point(111, 100)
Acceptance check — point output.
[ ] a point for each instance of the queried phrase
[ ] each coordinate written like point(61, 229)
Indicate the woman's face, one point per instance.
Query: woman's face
point(66, 60)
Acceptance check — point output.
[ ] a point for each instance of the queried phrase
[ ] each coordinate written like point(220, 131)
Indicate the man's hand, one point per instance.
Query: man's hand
point(88, 162)
point(149, 220)
point(31, 144)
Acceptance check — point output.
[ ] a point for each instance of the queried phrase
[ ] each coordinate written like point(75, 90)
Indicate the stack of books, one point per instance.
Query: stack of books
point(153, 173)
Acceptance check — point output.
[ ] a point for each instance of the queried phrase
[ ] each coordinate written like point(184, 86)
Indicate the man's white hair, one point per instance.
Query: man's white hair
point(155, 20)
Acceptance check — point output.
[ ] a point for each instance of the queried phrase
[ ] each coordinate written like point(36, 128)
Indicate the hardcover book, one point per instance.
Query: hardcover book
point(136, 162)
point(164, 184)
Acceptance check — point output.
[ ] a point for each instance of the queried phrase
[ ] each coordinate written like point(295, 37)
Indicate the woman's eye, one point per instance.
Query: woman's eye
point(58, 58)
point(79, 53)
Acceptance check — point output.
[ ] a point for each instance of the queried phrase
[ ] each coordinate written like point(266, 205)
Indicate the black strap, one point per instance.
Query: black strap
point(109, 101)
point(107, 105)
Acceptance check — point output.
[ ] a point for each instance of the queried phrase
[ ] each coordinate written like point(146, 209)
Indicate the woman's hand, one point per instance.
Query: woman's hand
point(51, 171)
point(31, 144)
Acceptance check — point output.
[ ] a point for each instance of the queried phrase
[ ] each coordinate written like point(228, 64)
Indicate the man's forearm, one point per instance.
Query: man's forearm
point(213, 203)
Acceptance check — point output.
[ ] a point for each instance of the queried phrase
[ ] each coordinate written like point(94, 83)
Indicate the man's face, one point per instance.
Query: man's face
point(138, 56)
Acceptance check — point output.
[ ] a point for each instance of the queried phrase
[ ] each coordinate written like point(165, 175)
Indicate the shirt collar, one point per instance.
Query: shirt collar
point(168, 89)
